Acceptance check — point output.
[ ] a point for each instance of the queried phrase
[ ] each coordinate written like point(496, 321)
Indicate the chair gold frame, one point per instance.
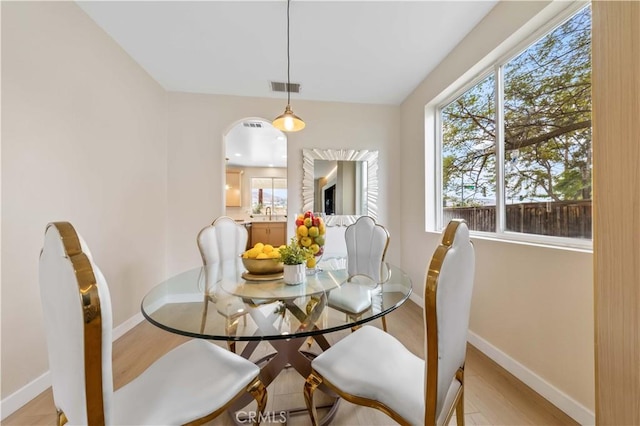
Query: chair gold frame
point(315, 379)
point(90, 299)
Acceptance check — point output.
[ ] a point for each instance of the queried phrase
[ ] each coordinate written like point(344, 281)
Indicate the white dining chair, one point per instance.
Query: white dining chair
point(372, 368)
point(221, 245)
point(366, 244)
point(191, 384)
point(226, 244)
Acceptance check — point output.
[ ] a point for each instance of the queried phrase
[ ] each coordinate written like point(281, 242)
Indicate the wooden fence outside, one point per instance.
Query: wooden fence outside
point(559, 218)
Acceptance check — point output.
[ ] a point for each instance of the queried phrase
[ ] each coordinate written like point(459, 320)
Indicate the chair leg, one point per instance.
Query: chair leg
point(310, 385)
point(204, 314)
point(384, 323)
point(460, 404)
point(231, 329)
point(460, 410)
point(355, 318)
point(62, 418)
point(259, 393)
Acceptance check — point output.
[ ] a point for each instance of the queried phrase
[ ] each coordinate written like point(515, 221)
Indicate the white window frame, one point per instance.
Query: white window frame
point(272, 190)
point(435, 224)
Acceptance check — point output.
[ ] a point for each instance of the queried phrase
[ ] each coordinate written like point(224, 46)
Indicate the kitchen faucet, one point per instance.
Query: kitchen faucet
point(267, 210)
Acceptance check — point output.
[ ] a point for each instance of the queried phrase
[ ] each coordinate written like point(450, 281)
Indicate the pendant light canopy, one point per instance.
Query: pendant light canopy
point(288, 121)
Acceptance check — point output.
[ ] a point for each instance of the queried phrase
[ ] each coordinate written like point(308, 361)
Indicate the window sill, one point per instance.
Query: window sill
point(541, 241)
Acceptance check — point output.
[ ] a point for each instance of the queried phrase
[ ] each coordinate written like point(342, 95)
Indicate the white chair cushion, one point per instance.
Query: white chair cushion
point(230, 306)
point(372, 364)
point(187, 383)
point(351, 298)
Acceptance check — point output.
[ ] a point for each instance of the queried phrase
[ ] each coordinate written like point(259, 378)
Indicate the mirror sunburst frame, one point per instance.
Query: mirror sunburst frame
point(371, 157)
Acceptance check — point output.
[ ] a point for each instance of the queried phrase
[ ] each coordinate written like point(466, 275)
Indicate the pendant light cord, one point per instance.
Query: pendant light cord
point(288, 59)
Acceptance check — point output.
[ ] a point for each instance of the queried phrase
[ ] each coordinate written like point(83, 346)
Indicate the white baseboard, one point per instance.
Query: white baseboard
point(19, 398)
point(564, 402)
point(127, 325)
point(16, 400)
point(417, 299)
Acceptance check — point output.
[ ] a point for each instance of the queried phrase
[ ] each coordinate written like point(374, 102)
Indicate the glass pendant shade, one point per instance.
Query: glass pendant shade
point(288, 121)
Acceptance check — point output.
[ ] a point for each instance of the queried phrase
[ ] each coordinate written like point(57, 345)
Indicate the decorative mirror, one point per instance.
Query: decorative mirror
point(341, 183)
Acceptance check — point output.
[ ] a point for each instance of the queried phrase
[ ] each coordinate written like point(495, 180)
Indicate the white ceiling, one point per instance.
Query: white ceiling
point(263, 146)
point(373, 52)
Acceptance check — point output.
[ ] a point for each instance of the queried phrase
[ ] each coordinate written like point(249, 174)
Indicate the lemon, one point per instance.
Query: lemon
point(252, 253)
point(258, 246)
point(311, 262)
point(262, 256)
point(273, 255)
point(268, 248)
point(303, 231)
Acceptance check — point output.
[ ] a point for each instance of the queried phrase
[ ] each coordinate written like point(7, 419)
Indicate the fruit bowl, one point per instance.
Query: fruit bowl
point(262, 266)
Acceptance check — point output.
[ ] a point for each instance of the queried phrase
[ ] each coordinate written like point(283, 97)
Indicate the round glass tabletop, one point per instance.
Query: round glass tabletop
point(217, 302)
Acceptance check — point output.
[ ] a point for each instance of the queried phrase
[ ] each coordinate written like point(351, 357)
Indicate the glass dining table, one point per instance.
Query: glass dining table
point(217, 302)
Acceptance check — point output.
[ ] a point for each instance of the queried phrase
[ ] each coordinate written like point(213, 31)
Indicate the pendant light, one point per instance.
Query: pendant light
point(288, 121)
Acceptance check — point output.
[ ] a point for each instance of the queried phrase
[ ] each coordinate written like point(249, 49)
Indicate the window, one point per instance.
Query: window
point(269, 192)
point(534, 176)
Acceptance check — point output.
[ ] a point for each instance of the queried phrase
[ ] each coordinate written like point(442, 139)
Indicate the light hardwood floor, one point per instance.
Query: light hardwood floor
point(492, 395)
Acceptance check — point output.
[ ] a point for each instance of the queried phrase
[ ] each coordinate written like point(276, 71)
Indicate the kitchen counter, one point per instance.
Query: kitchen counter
point(259, 220)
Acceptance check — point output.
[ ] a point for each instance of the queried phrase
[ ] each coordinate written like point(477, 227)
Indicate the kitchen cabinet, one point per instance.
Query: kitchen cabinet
point(233, 189)
point(274, 233)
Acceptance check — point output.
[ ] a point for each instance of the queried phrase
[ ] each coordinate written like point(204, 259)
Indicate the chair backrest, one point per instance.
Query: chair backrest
point(447, 305)
point(367, 244)
point(222, 241)
point(78, 326)
point(221, 245)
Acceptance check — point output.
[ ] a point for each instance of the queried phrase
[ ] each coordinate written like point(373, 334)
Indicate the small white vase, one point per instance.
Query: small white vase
point(294, 274)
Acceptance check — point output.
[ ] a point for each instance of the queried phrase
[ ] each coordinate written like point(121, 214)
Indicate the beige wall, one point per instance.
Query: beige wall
point(531, 303)
point(197, 124)
point(83, 140)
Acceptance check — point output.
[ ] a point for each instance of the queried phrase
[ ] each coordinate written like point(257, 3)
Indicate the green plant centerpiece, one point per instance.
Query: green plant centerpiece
point(293, 254)
point(294, 258)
